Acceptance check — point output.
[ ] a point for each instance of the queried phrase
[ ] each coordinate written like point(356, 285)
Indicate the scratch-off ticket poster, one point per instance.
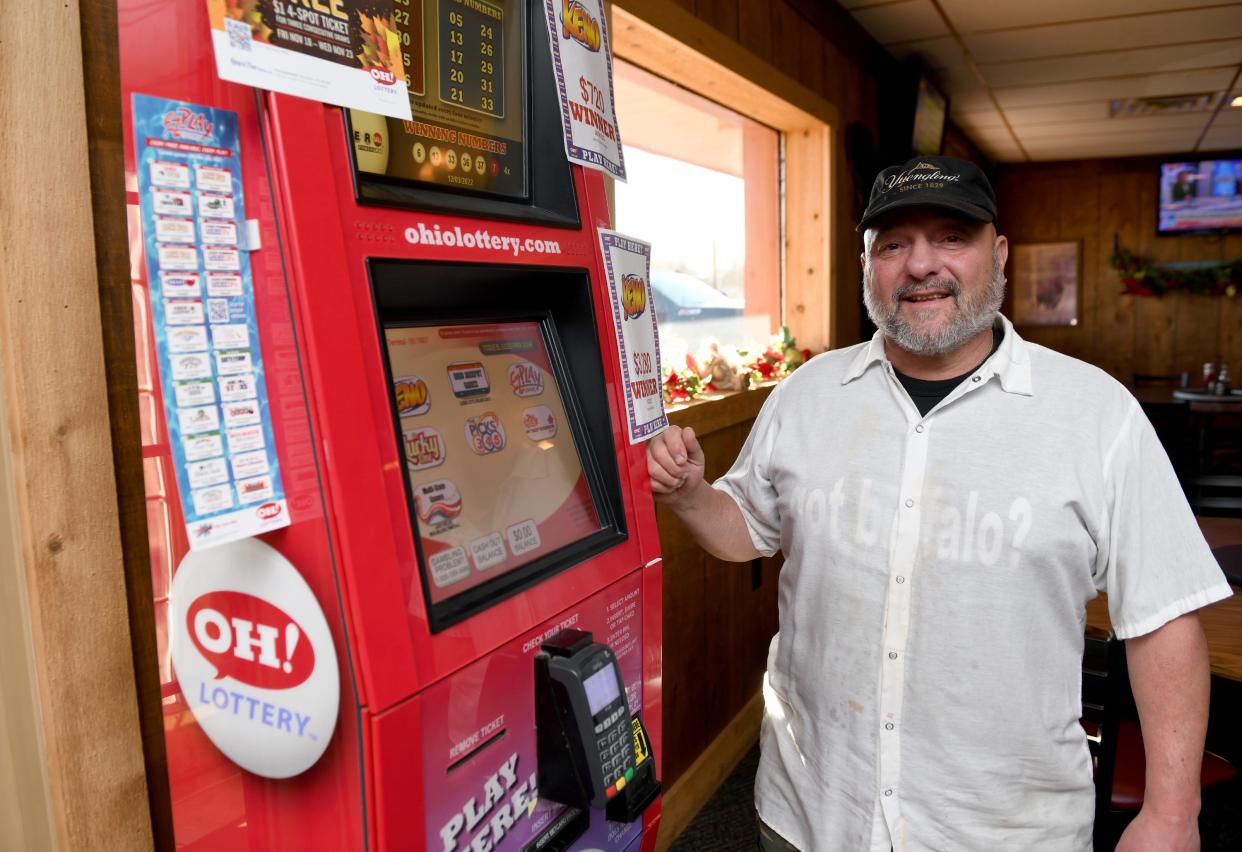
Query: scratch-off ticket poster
point(628, 265)
point(203, 318)
point(343, 52)
point(582, 60)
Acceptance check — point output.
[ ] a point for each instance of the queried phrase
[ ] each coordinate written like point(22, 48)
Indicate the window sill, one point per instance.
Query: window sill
point(714, 412)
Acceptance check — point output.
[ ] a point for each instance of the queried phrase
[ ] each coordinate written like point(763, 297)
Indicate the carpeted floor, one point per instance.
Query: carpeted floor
point(727, 822)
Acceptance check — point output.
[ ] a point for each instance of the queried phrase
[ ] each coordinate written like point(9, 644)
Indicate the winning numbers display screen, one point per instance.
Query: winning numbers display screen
point(465, 64)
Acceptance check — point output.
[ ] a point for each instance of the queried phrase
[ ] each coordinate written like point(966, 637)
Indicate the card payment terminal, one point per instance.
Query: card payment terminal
point(586, 737)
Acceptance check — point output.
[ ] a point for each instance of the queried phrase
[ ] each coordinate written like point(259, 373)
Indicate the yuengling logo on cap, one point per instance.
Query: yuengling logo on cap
point(947, 183)
point(923, 173)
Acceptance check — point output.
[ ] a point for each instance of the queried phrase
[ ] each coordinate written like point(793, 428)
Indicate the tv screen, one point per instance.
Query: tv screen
point(931, 109)
point(1200, 196)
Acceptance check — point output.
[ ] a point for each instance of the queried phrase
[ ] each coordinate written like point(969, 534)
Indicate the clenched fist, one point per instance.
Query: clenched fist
point(675, 463)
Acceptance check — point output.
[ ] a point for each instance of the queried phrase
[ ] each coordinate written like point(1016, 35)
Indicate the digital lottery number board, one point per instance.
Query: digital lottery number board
point(465, 64)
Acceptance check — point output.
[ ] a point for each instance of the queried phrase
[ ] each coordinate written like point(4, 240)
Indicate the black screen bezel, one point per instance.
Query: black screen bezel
point(550, 195)
point(579, 382)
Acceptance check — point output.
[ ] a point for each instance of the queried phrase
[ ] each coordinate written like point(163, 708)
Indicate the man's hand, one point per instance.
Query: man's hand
point(675, 464)
point(1152, 831)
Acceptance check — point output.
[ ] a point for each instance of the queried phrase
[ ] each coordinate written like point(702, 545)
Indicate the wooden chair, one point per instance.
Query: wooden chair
point(1116, 740)
point(1181, 380)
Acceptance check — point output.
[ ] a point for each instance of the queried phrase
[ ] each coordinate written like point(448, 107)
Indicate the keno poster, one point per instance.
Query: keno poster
point(582, 60)
point(627, 263)
point(343, 52)
point(203, 320)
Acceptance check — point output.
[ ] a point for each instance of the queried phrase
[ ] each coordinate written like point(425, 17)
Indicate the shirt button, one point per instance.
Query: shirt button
point(977, 379)
point(918, 428)
point(900, 580)
point(888, 792)
point(892, 655)
point(909, 503)
point(888, 726)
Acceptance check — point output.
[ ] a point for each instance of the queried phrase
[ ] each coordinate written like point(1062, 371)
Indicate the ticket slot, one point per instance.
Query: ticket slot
point(474, 752)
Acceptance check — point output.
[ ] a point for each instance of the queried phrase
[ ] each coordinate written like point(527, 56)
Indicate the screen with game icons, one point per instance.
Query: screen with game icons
point(493, 461)
point(465, 64)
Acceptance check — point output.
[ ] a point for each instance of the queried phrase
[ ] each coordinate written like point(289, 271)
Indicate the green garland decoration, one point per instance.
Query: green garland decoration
point(1141, 277)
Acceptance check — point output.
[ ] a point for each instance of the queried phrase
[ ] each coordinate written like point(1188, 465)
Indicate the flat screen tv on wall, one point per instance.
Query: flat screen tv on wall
point(1200, 196)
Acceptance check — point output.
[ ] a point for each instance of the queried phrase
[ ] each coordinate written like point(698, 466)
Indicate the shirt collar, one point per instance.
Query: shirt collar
point(1011, 363)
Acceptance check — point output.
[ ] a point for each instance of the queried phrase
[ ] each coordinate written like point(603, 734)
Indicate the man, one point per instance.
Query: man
point(947, 498)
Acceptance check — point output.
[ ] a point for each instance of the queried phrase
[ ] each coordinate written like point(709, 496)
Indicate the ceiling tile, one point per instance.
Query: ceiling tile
point(1069, 39)
point(1117, 126)
point(1124, 87)
point(1221, 141)
point(1096, 65)
point(974, 15)
point(1091, 111)
point(908, 20)
point(978, 120)
point(935, 52)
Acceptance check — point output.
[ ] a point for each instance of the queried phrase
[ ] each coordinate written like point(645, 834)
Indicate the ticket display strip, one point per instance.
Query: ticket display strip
point(203, 317)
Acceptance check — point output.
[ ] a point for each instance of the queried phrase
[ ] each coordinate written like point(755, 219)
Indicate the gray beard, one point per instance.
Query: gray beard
point(974, 314)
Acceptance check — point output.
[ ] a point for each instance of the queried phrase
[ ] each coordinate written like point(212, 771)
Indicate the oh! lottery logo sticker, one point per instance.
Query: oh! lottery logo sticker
point(254, 657)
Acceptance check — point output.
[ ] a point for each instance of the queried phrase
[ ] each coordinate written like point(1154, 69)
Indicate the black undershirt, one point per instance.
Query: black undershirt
point(927, 394)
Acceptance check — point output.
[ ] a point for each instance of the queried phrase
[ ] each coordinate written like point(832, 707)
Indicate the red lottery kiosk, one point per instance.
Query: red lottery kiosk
point(441, 395)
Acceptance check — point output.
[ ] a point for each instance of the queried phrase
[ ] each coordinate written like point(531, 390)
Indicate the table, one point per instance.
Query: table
point(1222, 621)
point(1233, 397)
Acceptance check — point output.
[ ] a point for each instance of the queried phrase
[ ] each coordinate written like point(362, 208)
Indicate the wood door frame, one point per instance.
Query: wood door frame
point(71, 706)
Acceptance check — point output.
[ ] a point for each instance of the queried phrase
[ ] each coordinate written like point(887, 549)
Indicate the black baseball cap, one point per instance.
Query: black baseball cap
point(945, 182)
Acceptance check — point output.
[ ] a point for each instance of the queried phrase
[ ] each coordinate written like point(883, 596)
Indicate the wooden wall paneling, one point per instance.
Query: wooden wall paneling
point(1197, 333)
point(786, 24)
point(1119, 197)
point(1197, 319)
point(1080, 217)
point(1231, 316)
point(811, 49)
point(754, 27)
point(684, 623)
point(1154, 326)
point(837, 76)
point(721, 14)
point(53, 380)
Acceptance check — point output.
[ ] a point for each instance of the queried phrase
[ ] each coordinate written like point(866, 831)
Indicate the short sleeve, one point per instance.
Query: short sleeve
point(749, 482)
point(1153, 563)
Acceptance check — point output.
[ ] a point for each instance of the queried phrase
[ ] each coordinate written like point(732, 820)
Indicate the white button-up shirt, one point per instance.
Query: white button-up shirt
point(924, 689)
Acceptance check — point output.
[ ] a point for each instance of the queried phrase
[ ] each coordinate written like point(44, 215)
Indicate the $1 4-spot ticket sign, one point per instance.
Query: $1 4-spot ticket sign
point(253, 656)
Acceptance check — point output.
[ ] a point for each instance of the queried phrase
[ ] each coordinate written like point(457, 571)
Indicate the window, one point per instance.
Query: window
point(703, 189)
